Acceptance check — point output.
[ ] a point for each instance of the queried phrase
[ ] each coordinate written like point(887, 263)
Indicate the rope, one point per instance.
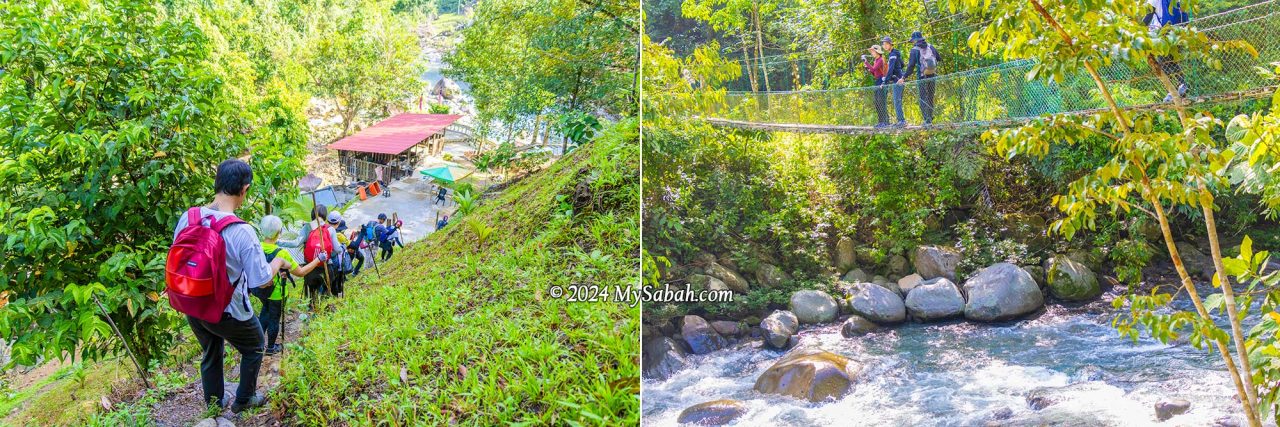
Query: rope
point(1001, 93)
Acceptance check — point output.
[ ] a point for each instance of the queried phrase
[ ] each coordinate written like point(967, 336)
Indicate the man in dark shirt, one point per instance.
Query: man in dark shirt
point(924, 61)
point(894, 76)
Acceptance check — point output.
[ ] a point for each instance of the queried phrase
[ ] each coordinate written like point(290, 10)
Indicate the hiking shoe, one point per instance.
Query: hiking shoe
point(254, 402)
point(274, 349)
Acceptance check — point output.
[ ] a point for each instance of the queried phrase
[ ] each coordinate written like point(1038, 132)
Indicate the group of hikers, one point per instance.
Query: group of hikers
point(215, 264)
point(885, 65)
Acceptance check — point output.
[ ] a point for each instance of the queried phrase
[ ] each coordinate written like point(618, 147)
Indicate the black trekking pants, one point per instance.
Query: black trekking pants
point(881, 104)
point(246, 337)
point(926, 90)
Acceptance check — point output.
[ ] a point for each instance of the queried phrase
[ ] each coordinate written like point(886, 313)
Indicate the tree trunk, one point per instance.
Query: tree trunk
point(764, 67)
point(1240, 380)
point(750, 66)
point(1228, 295)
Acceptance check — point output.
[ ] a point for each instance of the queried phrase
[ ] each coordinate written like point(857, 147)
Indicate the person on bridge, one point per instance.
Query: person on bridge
point(894, 76)
point(876, 66)
point(1162, 13)
point(924, 61)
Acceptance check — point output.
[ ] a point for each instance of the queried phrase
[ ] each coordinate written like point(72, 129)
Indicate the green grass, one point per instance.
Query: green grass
point(69, 396)
point(458, 328)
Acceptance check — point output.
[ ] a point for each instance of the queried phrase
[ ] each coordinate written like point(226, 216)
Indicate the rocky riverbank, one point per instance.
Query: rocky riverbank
point(864, 306)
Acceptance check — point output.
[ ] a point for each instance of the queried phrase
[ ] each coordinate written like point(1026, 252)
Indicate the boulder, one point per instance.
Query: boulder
point(813, 306)
point(702, 281)
point(897, 264)
point(1196, 262)
point(935, 299)
point(713, 413)
point(905, 284)
point(1166, 409)
point(856, 326)
point(727, 261)
point(856, 275)
point(1069, 280)
point(1092, 259)
point(1037, 274)
point(445, 89)
point(769, 275)
point(810, 374)
point(885, 283)
point(662, 357)
point(704, 258)
point(779, 327)
point(702, 339)
point(1088, 373)
point(215, 422)
point(936, 261)
point(876, 303)
point(1001, 291)
point(730, 278)
point(727, 328)
point(844, 254)
point(1041, 398)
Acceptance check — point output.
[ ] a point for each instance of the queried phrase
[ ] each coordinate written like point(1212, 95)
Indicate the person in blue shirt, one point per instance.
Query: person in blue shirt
point(893, 76)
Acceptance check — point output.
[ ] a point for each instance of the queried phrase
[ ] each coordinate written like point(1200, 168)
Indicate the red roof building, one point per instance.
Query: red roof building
point(392, 148)
point(396, 134)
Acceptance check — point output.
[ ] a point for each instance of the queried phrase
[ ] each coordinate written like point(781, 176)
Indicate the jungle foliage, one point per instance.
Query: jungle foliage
point(116, 113)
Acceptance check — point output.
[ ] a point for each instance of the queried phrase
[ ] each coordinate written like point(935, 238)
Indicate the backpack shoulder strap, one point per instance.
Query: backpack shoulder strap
point(225, 222)
point(271, 256)
point(193, 217)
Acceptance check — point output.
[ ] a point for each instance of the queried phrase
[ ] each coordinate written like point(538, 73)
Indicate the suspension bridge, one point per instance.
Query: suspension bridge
point(1001, 95)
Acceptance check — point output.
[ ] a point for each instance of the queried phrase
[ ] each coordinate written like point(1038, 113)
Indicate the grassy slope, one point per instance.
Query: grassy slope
point(460, 330)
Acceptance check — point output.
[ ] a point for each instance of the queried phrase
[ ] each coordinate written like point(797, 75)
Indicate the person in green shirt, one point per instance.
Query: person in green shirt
point(272, 296)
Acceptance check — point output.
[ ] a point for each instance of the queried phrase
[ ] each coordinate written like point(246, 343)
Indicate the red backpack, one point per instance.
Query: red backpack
point(196, 270)
point(317, 241)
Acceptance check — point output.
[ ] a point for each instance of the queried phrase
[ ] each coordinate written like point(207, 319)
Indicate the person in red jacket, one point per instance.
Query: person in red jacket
point(878, 68)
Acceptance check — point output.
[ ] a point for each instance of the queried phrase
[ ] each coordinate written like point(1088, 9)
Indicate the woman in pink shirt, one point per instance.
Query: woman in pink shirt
point(876, 65)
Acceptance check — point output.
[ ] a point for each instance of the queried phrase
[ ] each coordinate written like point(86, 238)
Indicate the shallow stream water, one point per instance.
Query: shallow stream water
point(963, 374)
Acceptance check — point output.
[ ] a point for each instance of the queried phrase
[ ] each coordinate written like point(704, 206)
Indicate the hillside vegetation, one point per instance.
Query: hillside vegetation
point(458, 327)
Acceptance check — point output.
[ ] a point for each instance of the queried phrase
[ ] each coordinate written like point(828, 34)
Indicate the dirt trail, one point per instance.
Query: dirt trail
point(184, 408)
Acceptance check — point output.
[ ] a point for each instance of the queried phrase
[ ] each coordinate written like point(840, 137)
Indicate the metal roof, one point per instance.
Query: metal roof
point(396, 134)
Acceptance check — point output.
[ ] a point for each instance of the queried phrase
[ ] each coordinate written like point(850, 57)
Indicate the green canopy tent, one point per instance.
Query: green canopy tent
point(449, 173)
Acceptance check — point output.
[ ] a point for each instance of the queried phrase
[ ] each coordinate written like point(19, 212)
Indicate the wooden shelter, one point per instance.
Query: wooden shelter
point(396, 145)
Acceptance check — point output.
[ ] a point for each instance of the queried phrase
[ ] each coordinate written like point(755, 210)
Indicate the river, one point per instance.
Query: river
point(963, 374)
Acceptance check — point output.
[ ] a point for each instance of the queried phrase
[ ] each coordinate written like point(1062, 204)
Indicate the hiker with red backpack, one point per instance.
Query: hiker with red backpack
point(317, 238)
point(273, 296)
point(215, 259)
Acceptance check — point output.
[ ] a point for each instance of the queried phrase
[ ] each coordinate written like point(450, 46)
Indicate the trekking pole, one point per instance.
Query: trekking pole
point(137, 366)
point(375, 263)
point(313, 183)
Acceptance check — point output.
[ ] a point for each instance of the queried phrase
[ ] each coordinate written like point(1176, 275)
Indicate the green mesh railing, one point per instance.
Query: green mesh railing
point(1002, 92)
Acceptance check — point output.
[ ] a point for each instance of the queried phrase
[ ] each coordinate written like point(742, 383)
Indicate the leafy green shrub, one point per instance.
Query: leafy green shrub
point(116, 118)
point(1130, 256)
point(438, 109)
